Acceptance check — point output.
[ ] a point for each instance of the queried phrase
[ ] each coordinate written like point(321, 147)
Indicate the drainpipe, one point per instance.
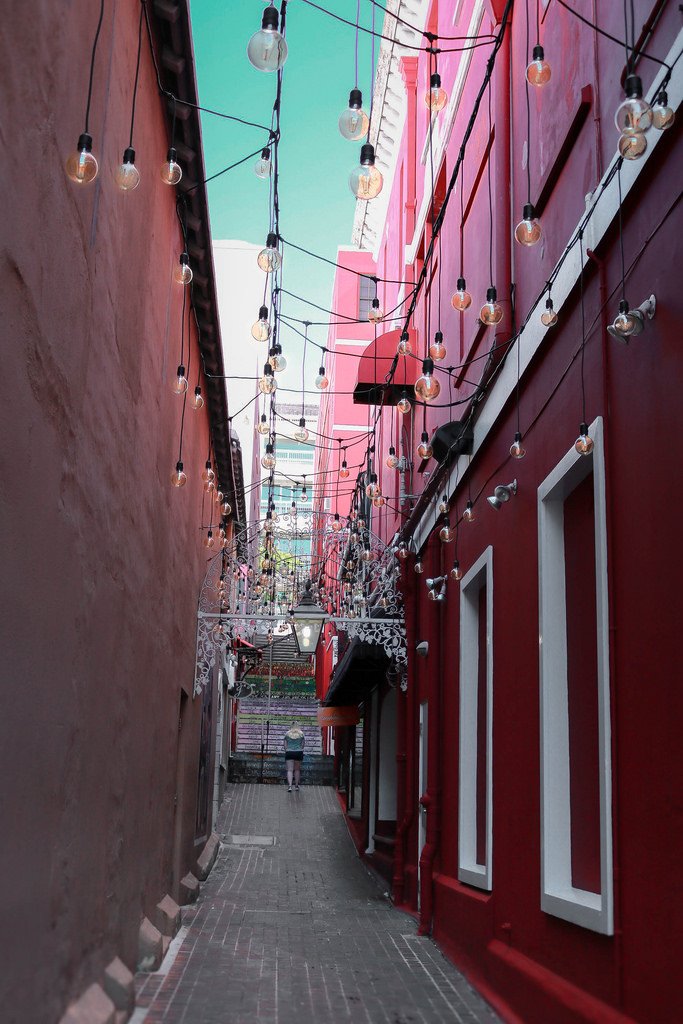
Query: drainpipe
point(431, 800)
point(405, 747)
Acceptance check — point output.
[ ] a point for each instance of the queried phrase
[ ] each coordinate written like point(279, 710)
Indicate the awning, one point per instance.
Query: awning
point(360, 670)
point(338, 716)
point(375, 365)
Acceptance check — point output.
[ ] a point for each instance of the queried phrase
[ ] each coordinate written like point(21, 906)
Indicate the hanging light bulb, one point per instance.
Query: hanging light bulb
point(625, 323)
point(436, 98)
point(262, 426)
point(360, 522)
point(304, 492)
point(373, 489)
point(269, 259)
point(267, 383)
point(226, 508)
point(375, 313)
point(491, 312)
point(182, 274)
point(456, 572)
point(584, 442)
point(301, 433)
point(402, 551)
point(662, 114)
point(634, 114)
point(276, 358)
point(208, 540)
point(267, 48)
point(446, 533)
point(418, 567)
point(632, 146)
point(219, 633)
point(469, 514)
point(437, 349)
point(197, 400)
point(391, 459)
point(344, 470)
point(322, 381)
point(336, 523)
point(81, 165)
point(171, 171)
point(179, 382)
point(404, 347)
point(354, 122)
point(427, 386)
point(424, 449)
point(403, 404)
point(461, 299)
point(379, 501)
point(365, 181)
point(528, 232)
point(260, 330)
point(443, 505)
point(263, 165)
point(516, 449)
point(127, 176)
point(367, 554)
point(268, 460)
point(549, 317)
point(208, 473)
point(538, 72)
point(178, 477)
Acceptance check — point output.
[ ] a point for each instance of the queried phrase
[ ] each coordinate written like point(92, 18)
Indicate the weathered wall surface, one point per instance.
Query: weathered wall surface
point(101, 557)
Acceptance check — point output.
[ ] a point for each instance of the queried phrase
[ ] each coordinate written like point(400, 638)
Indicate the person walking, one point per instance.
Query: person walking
point(294, 743)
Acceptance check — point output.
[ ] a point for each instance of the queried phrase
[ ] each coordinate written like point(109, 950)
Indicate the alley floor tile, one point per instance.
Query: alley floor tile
point(296, 929)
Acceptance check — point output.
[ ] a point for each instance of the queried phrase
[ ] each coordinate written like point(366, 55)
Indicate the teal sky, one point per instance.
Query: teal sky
point(316, 205)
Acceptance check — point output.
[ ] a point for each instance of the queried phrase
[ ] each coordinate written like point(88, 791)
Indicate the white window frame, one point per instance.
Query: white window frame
point(469, 870)
point(558, 896)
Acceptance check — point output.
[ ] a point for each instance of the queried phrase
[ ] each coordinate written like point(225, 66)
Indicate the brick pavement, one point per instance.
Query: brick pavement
point(290, 928)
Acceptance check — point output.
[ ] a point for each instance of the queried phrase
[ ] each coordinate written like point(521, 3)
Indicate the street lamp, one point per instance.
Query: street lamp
point(308, 621)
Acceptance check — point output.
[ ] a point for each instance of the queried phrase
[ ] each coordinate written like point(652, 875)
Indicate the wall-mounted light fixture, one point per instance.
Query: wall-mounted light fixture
point(502, 493)
point(436, 588)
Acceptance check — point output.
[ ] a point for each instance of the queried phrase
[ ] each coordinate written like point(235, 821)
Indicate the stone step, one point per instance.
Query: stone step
point(317, 769)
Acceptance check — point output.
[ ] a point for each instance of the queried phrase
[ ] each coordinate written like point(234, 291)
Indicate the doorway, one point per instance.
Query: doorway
point(421, 790)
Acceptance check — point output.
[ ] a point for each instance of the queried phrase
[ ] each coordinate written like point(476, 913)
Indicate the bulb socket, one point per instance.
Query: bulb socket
point(548, 303)
point(375, 303)
point(491, 294)
point(179, 467)
point(198, 391)
point(424, 437)
point(355, 99)
point(367, 154)
point(528, 212)
point(623, 306)
point(84, 142)
point(435, 81)
point(270, 19)
point(265, 153)
point(583, 430)
point(663, 98)
point(438, 338)
point(405, 336)
point(271, 240)
point(518, 437)
point(633, 87)
point(181, 373)
point(172, 156)
point(392, 450)
point(461, 284)
point(538, 53)
point(128, 156)
point(267, 370)
point(263, 313)
point(302, 422)
point(427, 366)
point(321, 371)
point(184, 258)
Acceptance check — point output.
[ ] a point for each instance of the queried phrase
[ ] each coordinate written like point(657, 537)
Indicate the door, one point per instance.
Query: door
point(421, 790)
point(180, 788)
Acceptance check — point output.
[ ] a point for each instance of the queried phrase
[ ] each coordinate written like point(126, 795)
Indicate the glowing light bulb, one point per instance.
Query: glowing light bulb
point(516, 449)
point(267, 383)
point(179, 382)
point(427, 386)
point(197, 400)
point(301, 433)
point(304, 493)
point(183, 272)
point(446, 533)
point(549, 317)
point(208, 473)
point(625, 322)
point(269, 259)
point(262, 166)
point(418, 567)
point(375, 314)
point(226, 508)
point(267, 48)
point(443, 506)
point(178, 477)
point(336, 523)
point(404, 348)
point(456, 572)
point(402, 551)
point(208, 540)
point(219, 633)
point(276, 358)
point(528, 232)
point(268, 460)
point(634, 114)
point(127, 176)
point(491, 313)
point(367, 554)
point(322, 381)
point(260, 330)
point(461, 299)
point(365, 181)
point(81, 165)
point(262, 425)
point(392, 458)
point(373, 489)
point(171, 171)
point(344, 470)
point(354, 122)
point(632, 146)
point(437, 349)
point(403, 404)
point(584, 443)
point(662, 114)
point(469, 514)
point(435, 97)
point(538, 72)
point(424, 449)
point(379, 501)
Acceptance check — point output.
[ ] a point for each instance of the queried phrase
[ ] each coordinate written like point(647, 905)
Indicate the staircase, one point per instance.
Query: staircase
point(256, 725)
point(316, 770)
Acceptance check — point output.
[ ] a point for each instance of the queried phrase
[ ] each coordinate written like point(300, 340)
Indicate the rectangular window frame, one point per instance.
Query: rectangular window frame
point(366, 292)
point(558, 896)
point(469, 870)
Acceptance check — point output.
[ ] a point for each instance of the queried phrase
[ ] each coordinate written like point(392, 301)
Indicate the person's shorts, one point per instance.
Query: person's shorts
point(294, 755)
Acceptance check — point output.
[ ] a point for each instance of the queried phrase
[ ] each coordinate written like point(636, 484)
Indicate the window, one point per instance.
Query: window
point(476, 723)
point(576, 822)
point(366, 293)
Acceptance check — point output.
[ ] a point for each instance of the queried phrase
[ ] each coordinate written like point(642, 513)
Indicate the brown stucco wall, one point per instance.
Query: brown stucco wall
point(101, 558)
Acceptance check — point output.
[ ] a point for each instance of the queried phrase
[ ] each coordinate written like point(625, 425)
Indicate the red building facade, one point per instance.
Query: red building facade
point(536, 827)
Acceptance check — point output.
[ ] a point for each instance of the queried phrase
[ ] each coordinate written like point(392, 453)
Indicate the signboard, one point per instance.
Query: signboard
point(338, 716)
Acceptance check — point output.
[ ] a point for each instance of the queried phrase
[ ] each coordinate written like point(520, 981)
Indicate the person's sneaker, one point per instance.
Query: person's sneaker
point(289, 789)
point(297, 788)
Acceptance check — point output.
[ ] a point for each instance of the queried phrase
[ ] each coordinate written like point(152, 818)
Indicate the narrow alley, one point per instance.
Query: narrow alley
point(291, 927)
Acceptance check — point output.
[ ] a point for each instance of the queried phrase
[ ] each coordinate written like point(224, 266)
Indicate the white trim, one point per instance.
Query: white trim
point(558, 896)
point(469, 870)
point(353, 342)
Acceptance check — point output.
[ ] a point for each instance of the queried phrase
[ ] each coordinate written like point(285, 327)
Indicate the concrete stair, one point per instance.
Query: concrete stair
point(257, 724)
point(317, 769)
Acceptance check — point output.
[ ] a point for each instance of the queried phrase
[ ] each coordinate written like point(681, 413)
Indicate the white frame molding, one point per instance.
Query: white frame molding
point(469, 870)
point(558, 896)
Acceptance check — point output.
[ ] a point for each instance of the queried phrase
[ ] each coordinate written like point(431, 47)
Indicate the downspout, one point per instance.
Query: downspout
point(405, 796)
point(431, 800)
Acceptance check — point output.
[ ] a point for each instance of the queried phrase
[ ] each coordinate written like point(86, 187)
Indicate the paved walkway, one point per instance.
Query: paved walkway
point(291, 928)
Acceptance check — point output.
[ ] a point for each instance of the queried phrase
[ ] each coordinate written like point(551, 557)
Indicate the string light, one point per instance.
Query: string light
point(443, 505)
point(491, 313)
point(365, 181)
point(344, 470)
point(262, 426)
point(418, 567)
point(267, 48)
point(208, 540)
point(427, 386)
point(267, 383)
point(171, 171)
point(437, 349)
point(528, 232)
point(178, 477)
point(373, 489)
point(402, 551)
point(268, 460)
point(197, 399)
point(81, 165)
point(461, 299)
point(633, 118)
point(322, 381)
point(436, 98)
point(262, 167)
point(226, 508)
point(538, 72)
point(336, 523)
point(182, 273)
point(379, 501)
point(403, 404)
point(260, 330)
point(516, 449)
point(456, 572)
point(584, 442)
point(269, 259)
point(625, 323)
point(549, 317)
point(424, 449)
point(446, 533)
point(404, 347)
point(276, 358)
point(391, 459)
point(301, 433)
point(127, 176)
point(179, 382)
point(662, 115)
point(469, 514)
point(354, 122)
point(375, 313)
point(304, 492)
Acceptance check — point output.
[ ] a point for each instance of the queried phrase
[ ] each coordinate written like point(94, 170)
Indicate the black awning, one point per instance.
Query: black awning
point(360, 670)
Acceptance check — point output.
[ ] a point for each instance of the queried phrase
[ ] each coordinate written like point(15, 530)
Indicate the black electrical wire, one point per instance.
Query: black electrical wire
point(137, 76)
point(92, 66)
point(620, 42)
